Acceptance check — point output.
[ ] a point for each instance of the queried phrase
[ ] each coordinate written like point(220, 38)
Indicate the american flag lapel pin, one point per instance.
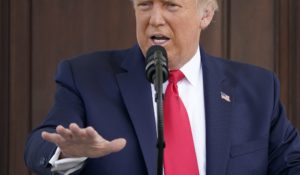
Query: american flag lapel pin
point(225, 97)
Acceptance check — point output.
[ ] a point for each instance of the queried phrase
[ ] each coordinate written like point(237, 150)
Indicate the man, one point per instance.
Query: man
point(103, 121)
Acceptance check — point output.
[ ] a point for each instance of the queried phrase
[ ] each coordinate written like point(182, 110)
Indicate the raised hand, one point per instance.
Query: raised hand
point(82, 142)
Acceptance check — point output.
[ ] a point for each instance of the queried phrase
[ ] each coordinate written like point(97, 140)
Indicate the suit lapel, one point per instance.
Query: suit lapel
point(218, 105)
point(137, 96)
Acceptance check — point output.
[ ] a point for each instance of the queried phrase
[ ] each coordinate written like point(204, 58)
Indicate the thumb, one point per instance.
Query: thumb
point(117, 144)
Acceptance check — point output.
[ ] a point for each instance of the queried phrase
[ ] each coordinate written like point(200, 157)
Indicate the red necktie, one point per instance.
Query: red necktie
point(179, 156)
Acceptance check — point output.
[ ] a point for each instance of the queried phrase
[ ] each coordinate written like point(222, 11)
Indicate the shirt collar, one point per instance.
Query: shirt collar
point(192, 68)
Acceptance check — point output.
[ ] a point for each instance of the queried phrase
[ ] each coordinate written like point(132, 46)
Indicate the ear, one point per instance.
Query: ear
point(207, 15)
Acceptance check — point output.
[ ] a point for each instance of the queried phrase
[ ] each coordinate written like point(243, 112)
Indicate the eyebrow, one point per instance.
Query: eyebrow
point(140, 0)
point(169, 0)
point(152, 0)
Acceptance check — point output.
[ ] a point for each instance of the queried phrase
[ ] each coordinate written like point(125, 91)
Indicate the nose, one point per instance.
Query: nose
point(157, 18)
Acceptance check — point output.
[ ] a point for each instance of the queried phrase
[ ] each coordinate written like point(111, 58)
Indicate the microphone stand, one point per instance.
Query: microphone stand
point(158, 81)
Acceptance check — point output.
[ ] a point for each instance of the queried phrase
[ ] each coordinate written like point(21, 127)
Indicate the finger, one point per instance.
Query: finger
point(75, 129)
point(77, 132)
point(52, 137)
point(74, 126)
point(117, 144)
point(106, 147)
point(92, 133)
point(64, 132)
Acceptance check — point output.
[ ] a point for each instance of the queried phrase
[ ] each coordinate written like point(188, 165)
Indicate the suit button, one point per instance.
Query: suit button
point(43, 162)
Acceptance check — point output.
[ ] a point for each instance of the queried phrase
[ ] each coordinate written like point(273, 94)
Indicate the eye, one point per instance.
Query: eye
point(172, 6)
point(145, 5)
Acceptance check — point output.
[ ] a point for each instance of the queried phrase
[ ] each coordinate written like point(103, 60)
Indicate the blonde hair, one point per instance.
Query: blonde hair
point(214, 3)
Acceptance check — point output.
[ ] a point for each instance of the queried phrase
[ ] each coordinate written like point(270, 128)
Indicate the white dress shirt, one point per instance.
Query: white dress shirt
point(191, 93)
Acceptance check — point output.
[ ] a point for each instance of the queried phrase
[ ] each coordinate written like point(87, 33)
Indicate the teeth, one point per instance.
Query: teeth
point(159, 39)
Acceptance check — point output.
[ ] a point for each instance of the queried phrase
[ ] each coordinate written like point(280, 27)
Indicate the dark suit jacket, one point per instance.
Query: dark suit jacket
point(250, 135)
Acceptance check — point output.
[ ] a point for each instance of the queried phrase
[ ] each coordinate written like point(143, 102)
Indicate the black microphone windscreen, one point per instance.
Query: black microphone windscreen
point(155, 48)
point(156, 55)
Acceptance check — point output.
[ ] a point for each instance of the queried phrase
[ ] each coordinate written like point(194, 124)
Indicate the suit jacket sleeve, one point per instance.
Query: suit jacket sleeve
point(284, 150)
point(68, 108)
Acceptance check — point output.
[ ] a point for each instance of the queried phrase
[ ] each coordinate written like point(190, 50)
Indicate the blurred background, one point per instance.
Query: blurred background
point(36, 34)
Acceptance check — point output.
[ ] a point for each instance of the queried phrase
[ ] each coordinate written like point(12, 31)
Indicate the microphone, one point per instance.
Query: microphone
point(157, 73)
point(156, 59)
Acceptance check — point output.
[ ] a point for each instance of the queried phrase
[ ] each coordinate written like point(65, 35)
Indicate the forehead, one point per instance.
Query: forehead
point(182, 2)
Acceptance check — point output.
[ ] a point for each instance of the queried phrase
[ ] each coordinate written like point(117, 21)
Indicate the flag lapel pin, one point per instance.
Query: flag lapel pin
point(225, 97)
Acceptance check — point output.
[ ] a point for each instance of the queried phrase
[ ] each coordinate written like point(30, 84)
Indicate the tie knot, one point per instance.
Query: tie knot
point(175, 76)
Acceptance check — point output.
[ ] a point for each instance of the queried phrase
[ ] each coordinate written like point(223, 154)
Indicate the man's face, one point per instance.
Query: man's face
point(173, 24)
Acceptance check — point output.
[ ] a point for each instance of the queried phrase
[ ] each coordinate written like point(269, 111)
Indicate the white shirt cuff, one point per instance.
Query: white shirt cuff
point(65, 166)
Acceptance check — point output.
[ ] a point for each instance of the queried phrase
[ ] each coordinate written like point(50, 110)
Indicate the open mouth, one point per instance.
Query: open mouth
point(159, 39)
